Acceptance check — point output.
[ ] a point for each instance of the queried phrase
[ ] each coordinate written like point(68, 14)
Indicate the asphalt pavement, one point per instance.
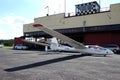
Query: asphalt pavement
point(39, 65)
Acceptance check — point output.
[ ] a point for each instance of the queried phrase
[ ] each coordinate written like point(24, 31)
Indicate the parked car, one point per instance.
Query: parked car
point(1, 45)
point(20, 47)
point(115, 48)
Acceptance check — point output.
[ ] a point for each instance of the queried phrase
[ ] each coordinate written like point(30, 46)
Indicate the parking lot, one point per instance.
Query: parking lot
point(39, 65)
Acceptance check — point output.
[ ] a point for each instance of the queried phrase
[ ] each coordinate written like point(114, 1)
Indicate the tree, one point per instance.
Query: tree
point(7, 42)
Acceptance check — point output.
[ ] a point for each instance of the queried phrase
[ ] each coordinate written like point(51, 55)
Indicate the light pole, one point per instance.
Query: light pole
point(65, 6)
point(82, 1)
point(99, 2)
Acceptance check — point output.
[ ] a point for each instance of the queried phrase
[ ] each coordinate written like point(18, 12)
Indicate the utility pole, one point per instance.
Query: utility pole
point(100, 3)
point(65, 6)
point(82, 1)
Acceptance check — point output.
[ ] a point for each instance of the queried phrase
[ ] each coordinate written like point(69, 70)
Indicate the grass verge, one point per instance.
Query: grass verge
point(8, 47)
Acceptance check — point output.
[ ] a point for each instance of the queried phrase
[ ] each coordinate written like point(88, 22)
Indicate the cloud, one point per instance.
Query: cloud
point(56, 6)
point(41, 14)
point(59, 6)
point(4, 35)
point(12, 26)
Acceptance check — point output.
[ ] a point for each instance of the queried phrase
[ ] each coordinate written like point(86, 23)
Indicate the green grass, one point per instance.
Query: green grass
point(8, 47)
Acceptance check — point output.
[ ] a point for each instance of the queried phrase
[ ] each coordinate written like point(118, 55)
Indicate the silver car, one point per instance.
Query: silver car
point(1, 45)
point(20, 47)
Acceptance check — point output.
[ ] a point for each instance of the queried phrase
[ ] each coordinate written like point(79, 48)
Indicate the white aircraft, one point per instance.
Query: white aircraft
point(76, 46)
point(55, 46)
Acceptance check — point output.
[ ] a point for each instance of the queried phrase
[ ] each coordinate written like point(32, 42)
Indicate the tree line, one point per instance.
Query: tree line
point(7, 42)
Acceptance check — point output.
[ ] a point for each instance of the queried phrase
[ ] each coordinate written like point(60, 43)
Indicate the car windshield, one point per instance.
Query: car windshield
point(110, 46)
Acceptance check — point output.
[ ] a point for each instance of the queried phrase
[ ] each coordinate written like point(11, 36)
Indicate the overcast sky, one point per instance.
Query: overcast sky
point(15, 13)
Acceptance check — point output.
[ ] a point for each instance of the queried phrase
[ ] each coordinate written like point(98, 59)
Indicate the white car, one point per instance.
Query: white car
point(1, 45)
point(20, 47)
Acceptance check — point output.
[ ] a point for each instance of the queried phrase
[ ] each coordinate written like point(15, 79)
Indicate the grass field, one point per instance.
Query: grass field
point(8, 47)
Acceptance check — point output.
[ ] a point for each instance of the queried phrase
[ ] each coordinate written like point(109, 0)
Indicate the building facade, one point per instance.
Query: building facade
point(98, 28)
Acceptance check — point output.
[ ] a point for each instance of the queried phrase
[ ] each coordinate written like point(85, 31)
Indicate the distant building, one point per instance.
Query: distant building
point(95, 28)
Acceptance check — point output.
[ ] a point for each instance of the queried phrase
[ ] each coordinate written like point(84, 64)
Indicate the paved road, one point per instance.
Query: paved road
point(38, 65)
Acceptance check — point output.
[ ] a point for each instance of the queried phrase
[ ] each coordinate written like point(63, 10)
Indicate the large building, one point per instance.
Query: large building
point(98, 28)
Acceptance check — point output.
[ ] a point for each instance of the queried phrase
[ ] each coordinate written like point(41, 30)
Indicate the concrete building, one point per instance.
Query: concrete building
point(98, 28)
